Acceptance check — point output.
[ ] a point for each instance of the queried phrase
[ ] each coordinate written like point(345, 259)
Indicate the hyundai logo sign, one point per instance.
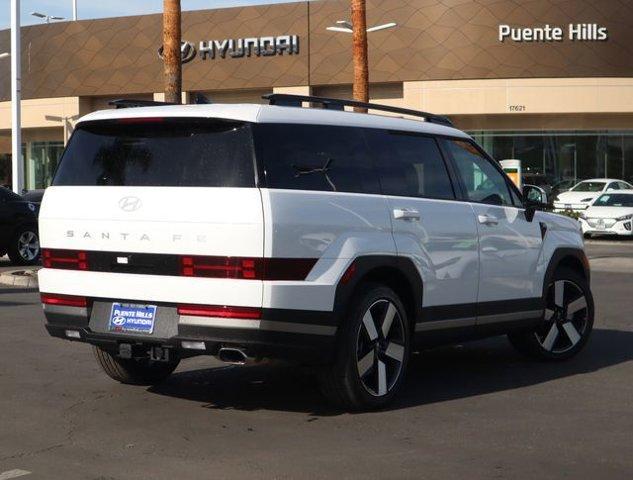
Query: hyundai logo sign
point(267, 46)
point(187, 52)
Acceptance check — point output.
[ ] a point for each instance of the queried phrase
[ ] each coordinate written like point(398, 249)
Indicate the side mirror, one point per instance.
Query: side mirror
point(534, 198)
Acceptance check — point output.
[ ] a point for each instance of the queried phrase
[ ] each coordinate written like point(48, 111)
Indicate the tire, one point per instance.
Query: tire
point(568, 320)
point(3, 252)
point(370, 365)
point(24, 248)
point(132, 371)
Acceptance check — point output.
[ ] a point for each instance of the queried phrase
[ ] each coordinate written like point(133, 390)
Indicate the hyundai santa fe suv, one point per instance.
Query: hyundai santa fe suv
point(339, 240)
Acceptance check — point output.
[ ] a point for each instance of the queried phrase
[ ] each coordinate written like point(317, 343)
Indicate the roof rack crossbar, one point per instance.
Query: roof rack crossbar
point(286, 100)
point(131, 103)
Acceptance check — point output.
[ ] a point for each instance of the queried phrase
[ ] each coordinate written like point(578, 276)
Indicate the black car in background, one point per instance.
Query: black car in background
point(18, 228)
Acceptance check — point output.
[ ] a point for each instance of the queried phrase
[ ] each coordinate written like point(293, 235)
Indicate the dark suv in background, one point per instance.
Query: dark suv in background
point(18, 228)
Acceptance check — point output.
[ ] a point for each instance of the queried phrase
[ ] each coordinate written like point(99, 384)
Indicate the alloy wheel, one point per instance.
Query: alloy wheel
point(566, 314)
point(380, 347)
point(28, 246)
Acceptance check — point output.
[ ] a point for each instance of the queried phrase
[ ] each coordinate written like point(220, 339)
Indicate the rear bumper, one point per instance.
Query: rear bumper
point(297, 335)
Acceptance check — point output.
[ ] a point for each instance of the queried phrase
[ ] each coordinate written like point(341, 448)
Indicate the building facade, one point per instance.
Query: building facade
point(549, 82)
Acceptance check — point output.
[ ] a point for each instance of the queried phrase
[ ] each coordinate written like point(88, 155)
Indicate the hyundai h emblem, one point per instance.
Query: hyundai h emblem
point(130, 204)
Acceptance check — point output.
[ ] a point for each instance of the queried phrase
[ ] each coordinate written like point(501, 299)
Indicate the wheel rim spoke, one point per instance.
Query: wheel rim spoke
point(550, 339)
point(366, 363)
point(388, 321)
point(370, 326)
point(381, 347)
point(571, 332)
point(382, 378)
point(548, 314)
point(395, 351)
point(576, 306)
point(559, 293)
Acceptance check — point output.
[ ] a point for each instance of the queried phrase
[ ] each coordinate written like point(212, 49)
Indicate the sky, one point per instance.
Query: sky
point(108, 8)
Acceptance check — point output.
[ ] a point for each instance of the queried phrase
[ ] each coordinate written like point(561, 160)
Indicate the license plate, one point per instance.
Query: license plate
point(131, 318)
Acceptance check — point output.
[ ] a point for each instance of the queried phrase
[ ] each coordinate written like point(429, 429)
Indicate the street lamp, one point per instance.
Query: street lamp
point(347, 27)
point(47, 18)
point(17, 166)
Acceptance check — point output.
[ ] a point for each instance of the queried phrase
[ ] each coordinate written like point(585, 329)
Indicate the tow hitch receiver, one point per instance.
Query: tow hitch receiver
point(159, 354)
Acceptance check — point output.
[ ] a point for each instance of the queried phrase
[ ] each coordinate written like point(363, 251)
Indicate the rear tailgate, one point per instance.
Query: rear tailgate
point(139, 199)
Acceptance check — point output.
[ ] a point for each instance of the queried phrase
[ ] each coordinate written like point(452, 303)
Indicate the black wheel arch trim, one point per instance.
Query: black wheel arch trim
point(560, 254)
point(364, 266)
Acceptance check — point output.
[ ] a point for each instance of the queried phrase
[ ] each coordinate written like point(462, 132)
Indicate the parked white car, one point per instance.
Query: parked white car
point(584, 193)
point(610, 214)
point(337, 239)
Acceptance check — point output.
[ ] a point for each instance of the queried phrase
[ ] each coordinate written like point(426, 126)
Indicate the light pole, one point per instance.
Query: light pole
point(17, 167)
point(74, 10)
point(47, 18)
point(361, 64)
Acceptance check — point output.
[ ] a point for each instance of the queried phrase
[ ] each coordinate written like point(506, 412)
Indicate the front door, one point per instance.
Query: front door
point(509, 244)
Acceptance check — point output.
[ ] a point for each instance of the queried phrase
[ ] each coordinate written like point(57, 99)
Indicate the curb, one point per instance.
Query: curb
point(20, 278)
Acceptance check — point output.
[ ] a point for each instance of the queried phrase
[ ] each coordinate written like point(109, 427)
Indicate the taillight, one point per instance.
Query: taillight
point(221, 267)
point(64, 300)
point(65, 259)
point(221, 311)
point(247, 268)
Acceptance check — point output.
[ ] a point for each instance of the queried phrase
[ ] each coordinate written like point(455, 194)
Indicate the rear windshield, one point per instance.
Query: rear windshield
point(159, 152)
point(614, 200)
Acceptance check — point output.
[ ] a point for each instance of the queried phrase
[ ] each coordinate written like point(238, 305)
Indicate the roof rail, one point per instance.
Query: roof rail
point(286, 100)
point(131, 103)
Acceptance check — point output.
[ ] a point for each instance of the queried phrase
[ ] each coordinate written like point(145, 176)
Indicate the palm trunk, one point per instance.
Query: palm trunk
point(361, 64)
point(171, 51)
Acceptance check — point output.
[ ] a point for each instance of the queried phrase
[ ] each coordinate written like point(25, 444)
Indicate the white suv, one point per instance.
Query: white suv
point(337, 239)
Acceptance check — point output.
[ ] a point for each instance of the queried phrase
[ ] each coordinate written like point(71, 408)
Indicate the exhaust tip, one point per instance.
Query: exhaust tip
point(234, 356)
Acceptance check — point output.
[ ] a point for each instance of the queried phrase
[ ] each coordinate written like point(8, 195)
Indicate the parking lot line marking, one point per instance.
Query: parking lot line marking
point(13, 474)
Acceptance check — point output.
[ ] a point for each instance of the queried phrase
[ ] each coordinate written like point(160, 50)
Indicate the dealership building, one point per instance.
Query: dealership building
point(548, 82)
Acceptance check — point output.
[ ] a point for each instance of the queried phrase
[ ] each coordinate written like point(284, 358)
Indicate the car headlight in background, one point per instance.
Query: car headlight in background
point(624, 217)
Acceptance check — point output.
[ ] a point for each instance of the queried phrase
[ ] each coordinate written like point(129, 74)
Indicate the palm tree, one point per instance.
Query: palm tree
point(171, 50)
point(361, 64)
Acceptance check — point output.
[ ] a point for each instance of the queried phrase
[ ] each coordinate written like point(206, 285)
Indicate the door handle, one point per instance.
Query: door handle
point(406, 214)
point(489, 220)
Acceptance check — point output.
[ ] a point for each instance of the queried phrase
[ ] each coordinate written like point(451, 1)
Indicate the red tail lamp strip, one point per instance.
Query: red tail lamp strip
point(64, 300)
point(221, 311)
point(247, 268)
point(65, 259)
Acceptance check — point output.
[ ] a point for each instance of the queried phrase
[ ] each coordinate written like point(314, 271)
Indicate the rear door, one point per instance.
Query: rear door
point(429, 225)
point(149, 192)
point(509, 244)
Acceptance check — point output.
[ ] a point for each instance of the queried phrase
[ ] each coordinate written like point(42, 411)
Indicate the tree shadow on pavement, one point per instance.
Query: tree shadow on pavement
point(437, 375)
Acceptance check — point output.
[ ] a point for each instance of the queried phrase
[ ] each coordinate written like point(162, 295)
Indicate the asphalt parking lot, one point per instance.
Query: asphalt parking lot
point(477, 411)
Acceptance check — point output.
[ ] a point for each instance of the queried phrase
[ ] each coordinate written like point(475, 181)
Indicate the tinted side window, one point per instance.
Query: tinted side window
point(483, 182)
point(409, 165)
point(315, 157)
point(613, 186)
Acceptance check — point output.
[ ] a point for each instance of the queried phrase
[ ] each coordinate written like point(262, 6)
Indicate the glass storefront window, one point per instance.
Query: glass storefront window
point(549, 158)
point(40, 163)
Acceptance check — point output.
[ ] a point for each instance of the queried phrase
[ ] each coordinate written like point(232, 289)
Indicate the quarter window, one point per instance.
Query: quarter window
point(409, 165)
point(315, 157)
point(483, 182)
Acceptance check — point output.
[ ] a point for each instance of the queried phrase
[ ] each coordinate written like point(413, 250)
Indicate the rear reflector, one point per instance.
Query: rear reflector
point(73, 334)
point(193, 345)
point(65, 259)
point(220, 311)
point(64, 300)
point(247, 268)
